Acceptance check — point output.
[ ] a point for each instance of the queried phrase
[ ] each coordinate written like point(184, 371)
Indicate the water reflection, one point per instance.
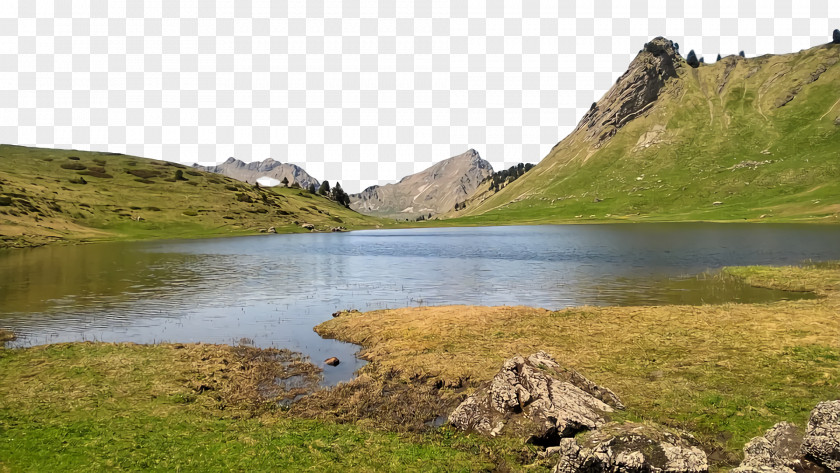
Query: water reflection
point(273, 289)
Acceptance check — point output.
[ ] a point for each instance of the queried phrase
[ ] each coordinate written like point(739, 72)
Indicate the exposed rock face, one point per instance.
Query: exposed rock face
point(634, 92)
point(250, 172)
point(777, 450)
point(432, 191)
point(536, 398)
point(631, 447)
point(822, 438)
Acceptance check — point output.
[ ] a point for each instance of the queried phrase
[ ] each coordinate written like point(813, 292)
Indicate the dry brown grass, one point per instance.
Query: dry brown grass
point(6, 336)
point(232, 381)
point(725, 372)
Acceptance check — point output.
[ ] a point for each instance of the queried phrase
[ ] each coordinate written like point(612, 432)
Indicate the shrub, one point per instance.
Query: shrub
point(179, 175)
point(144, 173)
point(244, 198)
point(74, 166)
point(101, 175)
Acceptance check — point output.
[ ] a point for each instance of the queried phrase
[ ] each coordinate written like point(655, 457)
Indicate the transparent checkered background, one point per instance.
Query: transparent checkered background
point(363, 92)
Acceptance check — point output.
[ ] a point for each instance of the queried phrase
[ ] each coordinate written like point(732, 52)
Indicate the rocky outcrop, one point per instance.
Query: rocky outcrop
point(433, 191)
point(822, 438)
point(537, 399)
point(630, 447)
point(634, 92)
point(250, 172)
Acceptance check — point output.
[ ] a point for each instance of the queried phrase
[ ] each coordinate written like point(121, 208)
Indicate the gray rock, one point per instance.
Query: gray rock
point(536, 398)
point(778, 450)
point(631, 447)
point(822, 438)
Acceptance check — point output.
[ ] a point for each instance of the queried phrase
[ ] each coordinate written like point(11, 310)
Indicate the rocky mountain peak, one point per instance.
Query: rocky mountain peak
point(634, 92)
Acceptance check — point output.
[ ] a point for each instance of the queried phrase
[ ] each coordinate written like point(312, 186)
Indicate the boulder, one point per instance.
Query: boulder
point(631, 447)
point(537, 399)
point(822, 438)
point(272, 230)
point(308, 226)
point(332, 361)
point(777, 450)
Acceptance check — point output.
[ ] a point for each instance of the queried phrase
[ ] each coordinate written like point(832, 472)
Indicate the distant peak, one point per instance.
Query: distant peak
point(231, 160)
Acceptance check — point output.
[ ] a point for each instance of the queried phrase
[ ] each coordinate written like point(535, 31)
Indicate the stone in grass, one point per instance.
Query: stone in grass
point(777, 450)
point(537, 399)
point(630, 447)
point(822, 438)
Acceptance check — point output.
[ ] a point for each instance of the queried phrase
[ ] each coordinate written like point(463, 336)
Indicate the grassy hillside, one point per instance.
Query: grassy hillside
point(53, 195)
point(738, 139)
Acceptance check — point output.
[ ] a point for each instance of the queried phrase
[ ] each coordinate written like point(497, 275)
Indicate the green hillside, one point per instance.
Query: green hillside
point(754, 138)
point(49, 195)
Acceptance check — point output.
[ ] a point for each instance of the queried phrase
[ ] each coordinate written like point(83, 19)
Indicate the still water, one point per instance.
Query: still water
point(270, 290)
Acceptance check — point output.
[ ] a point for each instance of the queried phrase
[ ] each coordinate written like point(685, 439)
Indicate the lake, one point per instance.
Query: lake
point(270, 290)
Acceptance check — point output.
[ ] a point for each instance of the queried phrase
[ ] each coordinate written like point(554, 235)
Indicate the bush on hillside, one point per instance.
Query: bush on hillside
point(74, 166)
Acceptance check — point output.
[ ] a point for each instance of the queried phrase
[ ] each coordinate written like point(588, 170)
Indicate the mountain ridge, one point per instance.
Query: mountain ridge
point(433, 191)
point(250, 172)
point(743, 138)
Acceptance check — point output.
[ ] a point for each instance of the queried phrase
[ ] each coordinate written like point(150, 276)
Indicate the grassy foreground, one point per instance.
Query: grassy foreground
point(106, 407)
point(723, 372)
point(50, 195)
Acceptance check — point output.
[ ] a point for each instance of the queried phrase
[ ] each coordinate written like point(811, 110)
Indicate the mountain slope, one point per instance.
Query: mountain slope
point(51, 195)
point(432, 191)
point(250, 172)
point(738, 139)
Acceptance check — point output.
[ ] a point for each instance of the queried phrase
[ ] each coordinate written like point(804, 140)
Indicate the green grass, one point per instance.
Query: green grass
point(45, 196)
point(104, 407)
point(709, 129)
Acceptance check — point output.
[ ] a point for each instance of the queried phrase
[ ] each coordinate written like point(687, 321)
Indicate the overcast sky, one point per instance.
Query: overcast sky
point(357, 92)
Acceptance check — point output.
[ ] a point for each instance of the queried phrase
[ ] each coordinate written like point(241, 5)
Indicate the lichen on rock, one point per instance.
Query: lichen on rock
point(536, 398)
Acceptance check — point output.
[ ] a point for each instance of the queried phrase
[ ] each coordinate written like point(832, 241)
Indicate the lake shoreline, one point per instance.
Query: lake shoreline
point(424, 360)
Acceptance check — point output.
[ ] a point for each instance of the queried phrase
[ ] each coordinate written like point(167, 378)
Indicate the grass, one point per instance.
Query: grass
point(45, 196)
point(725, 372)
point(105, 407)
point(717, 119)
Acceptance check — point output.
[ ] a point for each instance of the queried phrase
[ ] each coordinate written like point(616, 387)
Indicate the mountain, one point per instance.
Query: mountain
point(433, 191)
point(743, 138)
point(49, 195)
point(250, 172)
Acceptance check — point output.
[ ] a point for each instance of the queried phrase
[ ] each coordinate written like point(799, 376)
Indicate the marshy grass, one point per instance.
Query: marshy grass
point(723, 372)
point(105, 407)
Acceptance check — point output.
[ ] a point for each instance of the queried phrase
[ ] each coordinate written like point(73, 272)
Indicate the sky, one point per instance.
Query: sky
point(361, 92)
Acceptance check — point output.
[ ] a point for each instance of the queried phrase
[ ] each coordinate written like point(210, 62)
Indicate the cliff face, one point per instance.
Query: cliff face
point(634, 92)
point(250, 172)
point(432, 191)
